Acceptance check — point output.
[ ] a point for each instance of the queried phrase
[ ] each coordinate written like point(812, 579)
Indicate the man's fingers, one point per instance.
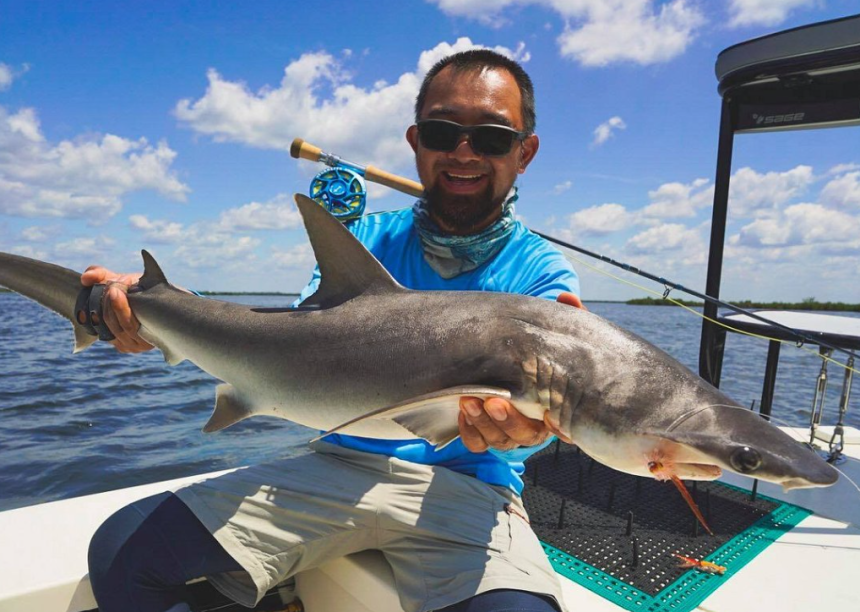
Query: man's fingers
point(470, 435)
point(122, 322)
point(500, 425)
point(482, 428)
point(521, 430)
point(94, 275)
point(98, 274)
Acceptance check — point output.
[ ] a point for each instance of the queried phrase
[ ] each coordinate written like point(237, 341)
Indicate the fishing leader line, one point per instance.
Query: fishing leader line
point(670, 286)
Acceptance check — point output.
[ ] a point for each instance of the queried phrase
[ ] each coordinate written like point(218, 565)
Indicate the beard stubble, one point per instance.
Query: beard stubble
point(463, 214)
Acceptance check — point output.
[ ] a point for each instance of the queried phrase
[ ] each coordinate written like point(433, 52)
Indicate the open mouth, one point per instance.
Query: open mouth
point(463, 180)
point(697, 471)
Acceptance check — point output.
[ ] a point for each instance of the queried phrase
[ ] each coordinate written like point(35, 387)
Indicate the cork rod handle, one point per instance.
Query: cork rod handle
point(404, 185)
point(304, 150)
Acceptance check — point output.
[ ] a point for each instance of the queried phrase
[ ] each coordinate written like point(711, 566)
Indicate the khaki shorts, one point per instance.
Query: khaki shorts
point(447, 536)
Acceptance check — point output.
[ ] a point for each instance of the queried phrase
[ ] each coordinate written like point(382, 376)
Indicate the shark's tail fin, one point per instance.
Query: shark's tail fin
point(152, 274)
point(52, 286)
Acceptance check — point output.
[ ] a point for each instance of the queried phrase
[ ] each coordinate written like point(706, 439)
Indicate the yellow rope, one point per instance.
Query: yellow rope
point(701, 315)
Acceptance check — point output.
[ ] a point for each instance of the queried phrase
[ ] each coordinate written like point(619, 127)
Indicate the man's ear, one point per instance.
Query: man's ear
point(528, 150)
point(412, 137)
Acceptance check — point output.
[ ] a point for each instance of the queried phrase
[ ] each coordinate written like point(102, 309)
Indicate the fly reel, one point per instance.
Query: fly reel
point(341, 191)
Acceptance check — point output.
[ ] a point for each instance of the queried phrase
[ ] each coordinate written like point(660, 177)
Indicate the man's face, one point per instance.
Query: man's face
point(465, 190)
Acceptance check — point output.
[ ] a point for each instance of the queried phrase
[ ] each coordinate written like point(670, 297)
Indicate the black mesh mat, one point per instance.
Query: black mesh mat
point(629, 527)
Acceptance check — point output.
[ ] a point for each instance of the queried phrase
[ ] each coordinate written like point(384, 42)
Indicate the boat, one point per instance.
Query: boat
point(614, 543)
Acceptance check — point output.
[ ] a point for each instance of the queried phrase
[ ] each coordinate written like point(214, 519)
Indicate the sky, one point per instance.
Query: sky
point(167, 126)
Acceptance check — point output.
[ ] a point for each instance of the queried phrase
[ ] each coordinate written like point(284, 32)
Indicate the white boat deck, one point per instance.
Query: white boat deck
point(815, 565)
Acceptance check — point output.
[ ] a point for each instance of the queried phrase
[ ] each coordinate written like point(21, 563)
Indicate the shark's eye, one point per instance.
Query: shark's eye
point(745, 460)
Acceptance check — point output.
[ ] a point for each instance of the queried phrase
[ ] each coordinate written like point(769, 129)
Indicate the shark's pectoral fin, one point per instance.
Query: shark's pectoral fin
point(171, 356)
point(230, 408)
point(432, 417)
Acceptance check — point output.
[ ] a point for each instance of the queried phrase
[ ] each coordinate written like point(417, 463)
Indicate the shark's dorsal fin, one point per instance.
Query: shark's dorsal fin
point(152, 274)
point(347, 269)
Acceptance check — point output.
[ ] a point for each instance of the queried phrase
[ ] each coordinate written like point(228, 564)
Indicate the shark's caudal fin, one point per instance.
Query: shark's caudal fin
point(347, 269)
point(50, 285)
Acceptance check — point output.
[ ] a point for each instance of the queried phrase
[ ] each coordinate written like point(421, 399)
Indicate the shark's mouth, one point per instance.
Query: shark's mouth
point(691, 471)
point(668, 460)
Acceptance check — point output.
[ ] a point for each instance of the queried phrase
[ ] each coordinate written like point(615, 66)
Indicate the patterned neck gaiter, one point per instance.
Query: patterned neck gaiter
point(451, 255)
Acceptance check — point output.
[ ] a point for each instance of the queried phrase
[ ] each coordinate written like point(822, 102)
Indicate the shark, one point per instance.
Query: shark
point(368, 357)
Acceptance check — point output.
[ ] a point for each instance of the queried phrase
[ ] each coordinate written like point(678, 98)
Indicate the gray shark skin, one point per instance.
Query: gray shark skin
point(366, 356)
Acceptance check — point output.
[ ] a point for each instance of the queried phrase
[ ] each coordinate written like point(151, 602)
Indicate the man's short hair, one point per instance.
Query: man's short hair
point(476, 60)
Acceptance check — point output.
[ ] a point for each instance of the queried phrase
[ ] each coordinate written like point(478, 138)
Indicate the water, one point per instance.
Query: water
point(99, 420)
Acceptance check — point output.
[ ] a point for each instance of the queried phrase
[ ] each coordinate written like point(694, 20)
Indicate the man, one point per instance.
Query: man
point(449, 521)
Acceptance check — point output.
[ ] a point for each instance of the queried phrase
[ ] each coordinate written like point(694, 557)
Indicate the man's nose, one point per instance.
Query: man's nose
point(464, 151)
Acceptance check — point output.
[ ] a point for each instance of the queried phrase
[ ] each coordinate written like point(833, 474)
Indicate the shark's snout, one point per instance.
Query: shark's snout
point(817, 474)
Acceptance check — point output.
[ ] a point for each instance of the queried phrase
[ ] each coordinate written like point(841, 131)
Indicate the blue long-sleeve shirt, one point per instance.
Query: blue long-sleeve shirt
point(526, 265)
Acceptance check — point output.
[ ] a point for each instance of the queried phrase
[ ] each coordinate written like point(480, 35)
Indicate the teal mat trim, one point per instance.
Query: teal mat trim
point(694, 586)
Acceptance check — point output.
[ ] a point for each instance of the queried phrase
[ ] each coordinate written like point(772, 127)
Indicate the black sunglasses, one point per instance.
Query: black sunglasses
point(487, 139)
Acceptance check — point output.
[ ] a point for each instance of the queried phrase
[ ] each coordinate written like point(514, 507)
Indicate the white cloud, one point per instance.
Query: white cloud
point(164, 232)
point(667, 237)
point(605, 130)
point(209, 252)
point(628, 31)
point(764, 12)
point(317, 101)
point(803, 224)
point(562, 187)
point(763, 233)
point(771, 236)
point(84, 247)
point(202, 244)
point(5, 76)
point(599, 220)
point(601, 32)
point(85, 178)
point(210, 243)
point(428, 58)
point(816, 224)
point(487, 12)
point(23, 125)
point(299, 256)
point(279, 213)
point(26, 250)
point(676, 200)
point(40, 233)
point(8, 74)
point(842, 169)
point(754, 194)
point(843, 191)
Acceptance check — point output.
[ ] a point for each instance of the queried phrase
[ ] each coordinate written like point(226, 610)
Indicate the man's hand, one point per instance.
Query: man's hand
point(496, 424)
point(117, 312)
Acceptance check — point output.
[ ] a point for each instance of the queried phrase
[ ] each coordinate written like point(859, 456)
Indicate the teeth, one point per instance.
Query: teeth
point(464, 176)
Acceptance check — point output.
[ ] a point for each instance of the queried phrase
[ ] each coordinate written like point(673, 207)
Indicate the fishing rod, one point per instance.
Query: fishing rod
point(329, 190)
point(669, 285)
